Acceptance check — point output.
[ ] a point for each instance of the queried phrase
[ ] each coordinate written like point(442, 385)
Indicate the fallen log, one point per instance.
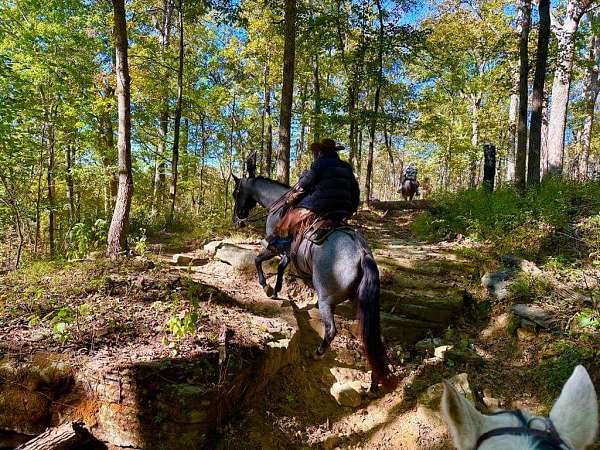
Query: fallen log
point(63, 437)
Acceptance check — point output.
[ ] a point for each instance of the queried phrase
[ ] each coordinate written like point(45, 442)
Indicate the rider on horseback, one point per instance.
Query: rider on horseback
point(410, 173)
point(327, 190)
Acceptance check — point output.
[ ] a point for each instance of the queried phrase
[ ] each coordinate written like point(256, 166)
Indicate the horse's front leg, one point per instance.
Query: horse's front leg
point(264, 255)
point(326, 308)
point(283, 263)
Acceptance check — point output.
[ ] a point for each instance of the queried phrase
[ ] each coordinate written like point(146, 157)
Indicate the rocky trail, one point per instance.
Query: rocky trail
point(185, 351)
point(326, 403)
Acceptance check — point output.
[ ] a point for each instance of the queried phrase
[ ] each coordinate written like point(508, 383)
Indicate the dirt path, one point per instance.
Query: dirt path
point(422, 293)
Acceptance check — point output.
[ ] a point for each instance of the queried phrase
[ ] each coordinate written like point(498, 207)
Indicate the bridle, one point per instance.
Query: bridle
point(546, 439)
point(238, 220)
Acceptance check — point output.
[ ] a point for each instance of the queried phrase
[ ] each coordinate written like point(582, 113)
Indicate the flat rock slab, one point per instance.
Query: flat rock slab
point(536, 314)
point(236, 256)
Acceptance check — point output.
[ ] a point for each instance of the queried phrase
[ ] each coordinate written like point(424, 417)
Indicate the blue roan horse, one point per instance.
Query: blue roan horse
point(341, 268)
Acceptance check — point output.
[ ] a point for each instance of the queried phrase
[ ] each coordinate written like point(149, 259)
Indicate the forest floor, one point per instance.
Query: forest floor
point(140, 311)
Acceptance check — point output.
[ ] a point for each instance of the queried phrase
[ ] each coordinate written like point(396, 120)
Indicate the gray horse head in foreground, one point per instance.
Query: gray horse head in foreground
point(340, 268)
point(572, 424)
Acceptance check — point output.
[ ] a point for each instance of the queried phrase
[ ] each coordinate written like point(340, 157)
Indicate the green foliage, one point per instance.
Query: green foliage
point(588, 319)
point(60, 321)
point(85, 237)
point(182, 324)
point(523, 224)
point(561, 359)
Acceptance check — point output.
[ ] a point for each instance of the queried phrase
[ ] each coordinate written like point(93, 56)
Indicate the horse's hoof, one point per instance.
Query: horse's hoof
point(268, 290)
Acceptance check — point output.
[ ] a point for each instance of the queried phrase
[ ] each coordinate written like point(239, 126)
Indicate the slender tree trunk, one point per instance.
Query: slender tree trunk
point(537, 96)
point(317, 99)
point(544, 133)
point(163, 128)
point(473, 163)
point(287, 93)
point(359, 154)
point(38, 201)
point(301, 141)
point(388, 147)
point(50, 189)
point(591, 90)
point(262, 121)
point(521, 157)
point(176, 130)
point(565, 34)
point(12, 201)
point(117, 234)
point(69, 183)
point(269, 149)
point(352, 119)
point(202, 158)
point(513, 111)
point(373, 125)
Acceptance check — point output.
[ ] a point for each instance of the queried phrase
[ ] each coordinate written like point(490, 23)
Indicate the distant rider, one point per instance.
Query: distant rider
point(410, 173)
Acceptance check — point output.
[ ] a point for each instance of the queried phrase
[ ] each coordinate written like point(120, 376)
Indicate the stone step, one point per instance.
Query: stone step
point(429, 306)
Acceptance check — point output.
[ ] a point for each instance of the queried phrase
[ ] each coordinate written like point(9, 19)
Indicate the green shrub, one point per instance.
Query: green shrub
point(523, 224)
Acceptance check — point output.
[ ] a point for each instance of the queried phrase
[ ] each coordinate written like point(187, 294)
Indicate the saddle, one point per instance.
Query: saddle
point(316, 232)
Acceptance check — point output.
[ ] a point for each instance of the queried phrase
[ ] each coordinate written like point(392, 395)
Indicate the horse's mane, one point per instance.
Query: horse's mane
point(269, 180)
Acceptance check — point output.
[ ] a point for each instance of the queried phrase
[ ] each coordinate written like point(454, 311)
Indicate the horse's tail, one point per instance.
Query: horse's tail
point(369, 320)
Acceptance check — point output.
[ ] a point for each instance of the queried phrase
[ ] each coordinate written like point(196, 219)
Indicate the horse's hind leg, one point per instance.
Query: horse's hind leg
point(285, 260)
point(326, 310)
point(264, 255)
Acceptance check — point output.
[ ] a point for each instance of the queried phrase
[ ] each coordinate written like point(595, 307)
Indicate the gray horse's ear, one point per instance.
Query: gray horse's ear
point(463, 420)
point(251, 165)
point(575, 413)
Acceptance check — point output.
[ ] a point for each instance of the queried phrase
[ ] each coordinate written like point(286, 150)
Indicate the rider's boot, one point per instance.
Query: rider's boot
point(278, 243)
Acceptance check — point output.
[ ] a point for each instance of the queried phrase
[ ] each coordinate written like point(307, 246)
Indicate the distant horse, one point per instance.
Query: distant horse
point(341, 268)
point(572, 424)
point(408, 189)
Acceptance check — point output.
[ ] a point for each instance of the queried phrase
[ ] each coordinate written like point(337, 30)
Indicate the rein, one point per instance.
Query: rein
point(548, 437)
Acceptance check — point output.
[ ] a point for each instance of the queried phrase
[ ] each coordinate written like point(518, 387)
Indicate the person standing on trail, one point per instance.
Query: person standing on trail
point(410, 173)
point(327, 190)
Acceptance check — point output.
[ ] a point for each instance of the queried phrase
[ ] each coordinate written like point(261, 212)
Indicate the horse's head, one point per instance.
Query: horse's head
point(572, 424)
point(243, 194)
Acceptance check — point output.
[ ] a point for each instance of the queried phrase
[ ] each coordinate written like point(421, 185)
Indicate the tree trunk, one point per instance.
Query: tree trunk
point(163, 128)
point(117, 234)
point(565, 34)
point(176, 130)
point(513, 110)
point(287, 93)
point(50, 189)
point(475, 106)
point(269, 149)
point(373, 125)
point(537, 96)
point(12, 202)
point(262, 122)
point(352, 119)
point(69, 183)
point(66, 436)
point(489, 166)
point(38, 201)
point(521, 156)
point(591, 90)
point(317, 98)
point(301, 141)
point(544, 133)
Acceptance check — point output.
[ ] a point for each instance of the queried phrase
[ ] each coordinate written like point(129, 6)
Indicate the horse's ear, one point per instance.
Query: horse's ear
point(575, 413)
point(236, 179)
point(463, 420)
point(251, 165)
